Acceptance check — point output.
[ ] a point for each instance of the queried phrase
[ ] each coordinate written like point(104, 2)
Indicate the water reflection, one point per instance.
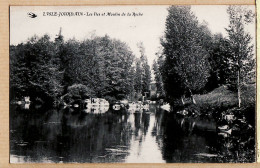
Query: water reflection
point(143, 145)
point(61, 136)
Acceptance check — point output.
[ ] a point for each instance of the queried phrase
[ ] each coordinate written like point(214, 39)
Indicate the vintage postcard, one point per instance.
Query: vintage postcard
point(132, 84)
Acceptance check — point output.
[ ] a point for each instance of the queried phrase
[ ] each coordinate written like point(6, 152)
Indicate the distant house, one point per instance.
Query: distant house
point(153, 89)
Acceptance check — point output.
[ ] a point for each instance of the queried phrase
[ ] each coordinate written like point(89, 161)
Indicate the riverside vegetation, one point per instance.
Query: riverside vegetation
point(198, 73)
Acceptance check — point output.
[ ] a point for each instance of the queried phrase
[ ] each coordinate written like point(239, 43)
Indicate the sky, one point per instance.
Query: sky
point(147, 28)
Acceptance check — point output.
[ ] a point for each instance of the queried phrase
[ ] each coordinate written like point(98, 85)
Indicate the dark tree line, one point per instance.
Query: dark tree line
point(193, 60)
point(97, 67)
point(35, 69)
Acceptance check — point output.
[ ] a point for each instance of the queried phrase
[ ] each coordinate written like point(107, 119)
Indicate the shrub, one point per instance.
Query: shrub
point(80, 91)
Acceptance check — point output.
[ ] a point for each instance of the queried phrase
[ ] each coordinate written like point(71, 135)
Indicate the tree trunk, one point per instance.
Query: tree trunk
point(183, 103)
point(238, 89)
point(193, 100)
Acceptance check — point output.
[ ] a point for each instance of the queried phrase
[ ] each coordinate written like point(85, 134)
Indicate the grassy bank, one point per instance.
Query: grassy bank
point(224, 98)
point(222, 101)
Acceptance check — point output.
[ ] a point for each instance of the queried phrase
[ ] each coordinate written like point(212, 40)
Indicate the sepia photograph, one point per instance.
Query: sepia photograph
point(132, 84)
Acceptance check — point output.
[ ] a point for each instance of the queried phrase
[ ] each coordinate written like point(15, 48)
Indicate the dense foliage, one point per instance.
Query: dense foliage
point(193, 60)
point(186, 66)
point(100, 66)
point(35, 69)
point(158, 79)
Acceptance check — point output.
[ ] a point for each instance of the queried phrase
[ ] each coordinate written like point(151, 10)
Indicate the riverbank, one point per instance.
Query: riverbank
point(222, 97)
point(235, 126)
point(223, 101)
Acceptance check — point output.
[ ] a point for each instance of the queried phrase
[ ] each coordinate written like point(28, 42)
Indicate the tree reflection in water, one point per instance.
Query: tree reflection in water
point(40, 135)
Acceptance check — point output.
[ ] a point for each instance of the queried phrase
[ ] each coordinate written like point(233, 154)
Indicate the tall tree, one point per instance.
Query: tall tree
point(145, 70)
point(186, 67)
point(219, 54)
point(241, 61)
point(40, 73)
point(45, 71)
point(138, 77)
point(158, 78)
point(131, 78)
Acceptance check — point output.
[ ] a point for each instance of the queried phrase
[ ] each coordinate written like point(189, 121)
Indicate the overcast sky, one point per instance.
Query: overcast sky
point(147, 28)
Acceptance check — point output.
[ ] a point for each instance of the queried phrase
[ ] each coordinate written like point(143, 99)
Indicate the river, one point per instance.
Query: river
point(156, 136)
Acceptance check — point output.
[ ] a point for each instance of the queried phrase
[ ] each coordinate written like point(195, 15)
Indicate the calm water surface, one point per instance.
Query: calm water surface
point(63, 136)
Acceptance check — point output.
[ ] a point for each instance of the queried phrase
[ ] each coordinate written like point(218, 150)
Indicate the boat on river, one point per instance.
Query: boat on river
point(166, 107)
point(96, 102)
point(92, 105)
point(25, 101)
point(96, 109)
point(116, 107)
